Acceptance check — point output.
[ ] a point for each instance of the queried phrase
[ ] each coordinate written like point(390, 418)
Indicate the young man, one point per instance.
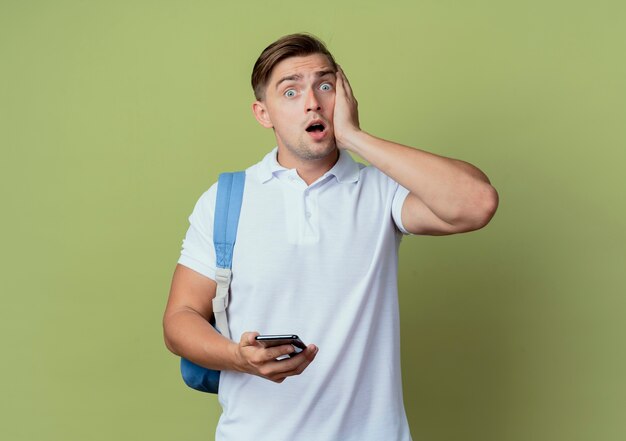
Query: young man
point(316, 255)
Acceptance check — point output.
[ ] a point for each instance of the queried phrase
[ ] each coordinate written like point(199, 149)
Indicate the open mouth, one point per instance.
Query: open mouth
point(316, 127)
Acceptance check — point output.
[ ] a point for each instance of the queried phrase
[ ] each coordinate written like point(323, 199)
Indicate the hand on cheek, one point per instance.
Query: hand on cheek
point(346, 116)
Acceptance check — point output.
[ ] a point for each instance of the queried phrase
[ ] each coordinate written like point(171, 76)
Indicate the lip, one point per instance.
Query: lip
point(316, 121)
point(317, 135)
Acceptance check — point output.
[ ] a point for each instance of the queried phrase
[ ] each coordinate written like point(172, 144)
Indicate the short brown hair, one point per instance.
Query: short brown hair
point(293, 45)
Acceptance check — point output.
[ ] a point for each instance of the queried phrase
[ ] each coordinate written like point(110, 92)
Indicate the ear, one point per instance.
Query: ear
point(261, 114)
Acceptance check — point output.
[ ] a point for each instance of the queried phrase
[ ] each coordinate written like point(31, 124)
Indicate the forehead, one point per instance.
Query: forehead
point(302, 66)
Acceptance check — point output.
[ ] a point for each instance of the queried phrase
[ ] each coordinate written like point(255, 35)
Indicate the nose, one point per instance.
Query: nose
point(312, 103)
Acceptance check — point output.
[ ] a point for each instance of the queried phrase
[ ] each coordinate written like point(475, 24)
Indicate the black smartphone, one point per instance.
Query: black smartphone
point(268, 341)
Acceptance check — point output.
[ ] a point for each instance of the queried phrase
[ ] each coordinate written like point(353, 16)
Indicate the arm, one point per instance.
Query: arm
point(446, 195)
point(188, 333)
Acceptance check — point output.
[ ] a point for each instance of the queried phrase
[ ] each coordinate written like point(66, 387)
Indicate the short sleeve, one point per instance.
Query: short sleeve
point(396, 207)
point(198, 251)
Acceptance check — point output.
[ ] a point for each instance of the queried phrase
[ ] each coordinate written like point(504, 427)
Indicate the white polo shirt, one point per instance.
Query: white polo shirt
point(319, 261)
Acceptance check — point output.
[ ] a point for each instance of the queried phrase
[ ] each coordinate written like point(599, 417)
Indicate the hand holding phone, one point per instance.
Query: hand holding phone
point(259, 356)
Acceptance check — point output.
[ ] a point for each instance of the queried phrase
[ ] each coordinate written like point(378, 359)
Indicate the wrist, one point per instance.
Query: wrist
point(352, 140)
point(236, 357)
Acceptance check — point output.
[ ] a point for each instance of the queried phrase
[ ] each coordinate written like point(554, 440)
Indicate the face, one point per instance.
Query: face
point(299, 104)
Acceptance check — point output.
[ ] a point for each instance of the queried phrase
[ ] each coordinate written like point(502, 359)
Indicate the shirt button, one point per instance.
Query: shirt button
point(308, 214)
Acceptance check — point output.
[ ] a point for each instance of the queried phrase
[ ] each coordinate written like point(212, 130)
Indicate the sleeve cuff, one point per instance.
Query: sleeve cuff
point(197, 266)
point(396, 208)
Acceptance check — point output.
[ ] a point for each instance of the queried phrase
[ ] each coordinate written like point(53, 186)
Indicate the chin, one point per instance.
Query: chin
point(321, 152)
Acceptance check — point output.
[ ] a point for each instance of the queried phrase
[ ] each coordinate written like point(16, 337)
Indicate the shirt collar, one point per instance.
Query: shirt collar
point(346, 170)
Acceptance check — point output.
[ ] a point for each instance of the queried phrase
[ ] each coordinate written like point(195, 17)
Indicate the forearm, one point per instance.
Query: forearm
point(189, 335)
point(453, 190)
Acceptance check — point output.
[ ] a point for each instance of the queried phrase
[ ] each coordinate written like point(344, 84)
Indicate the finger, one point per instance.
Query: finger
point(296, 364)
point(345, 82)
point(283, 366)
point(248, 339)
point(339, 78)
point(307, 360)
point(275, 370)
point(278, 351)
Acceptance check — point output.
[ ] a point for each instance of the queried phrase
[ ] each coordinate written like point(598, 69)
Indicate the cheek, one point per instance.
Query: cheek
point(281, 118)
point(331, 98)
point(286, 126)
point(331, 105)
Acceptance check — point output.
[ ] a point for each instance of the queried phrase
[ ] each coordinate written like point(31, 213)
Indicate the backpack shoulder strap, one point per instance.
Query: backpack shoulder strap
point(227, 207)
point(226, 220)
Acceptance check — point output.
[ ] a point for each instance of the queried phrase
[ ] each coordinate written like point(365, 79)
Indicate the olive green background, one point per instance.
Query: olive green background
point(115, 116)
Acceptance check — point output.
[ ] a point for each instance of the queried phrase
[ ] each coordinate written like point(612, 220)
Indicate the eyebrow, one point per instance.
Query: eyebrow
point(297, 77)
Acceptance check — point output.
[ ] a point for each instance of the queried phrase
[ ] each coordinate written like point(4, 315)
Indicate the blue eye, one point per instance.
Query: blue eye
point(326, 86)
point(290, 93)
